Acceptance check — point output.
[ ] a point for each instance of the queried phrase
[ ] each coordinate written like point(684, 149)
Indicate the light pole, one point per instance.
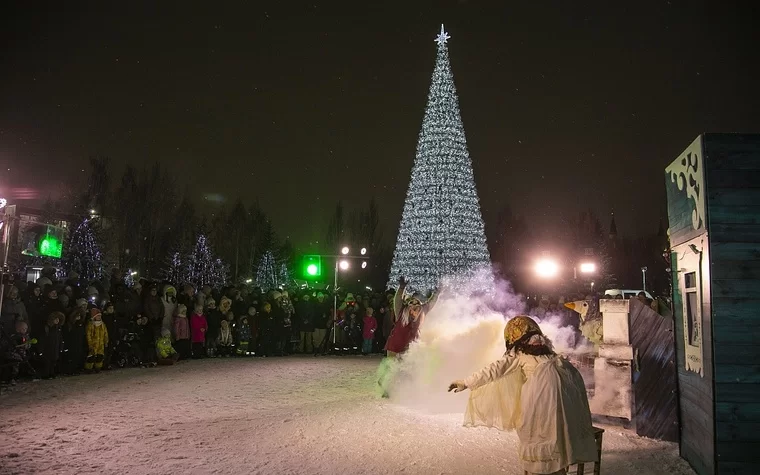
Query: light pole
point(643, 278)
point(342, 263)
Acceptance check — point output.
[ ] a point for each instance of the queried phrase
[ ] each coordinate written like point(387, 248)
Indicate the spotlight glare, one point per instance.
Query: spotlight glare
point(547, 268)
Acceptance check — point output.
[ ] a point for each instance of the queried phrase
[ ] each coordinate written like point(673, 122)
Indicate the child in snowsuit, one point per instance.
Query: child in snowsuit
point(182, 332)
point(243, 337)
point(198, 327)
point(97, 341)
point(50, 345)
point(166, 353)
point(368, 330)
point(224, 342)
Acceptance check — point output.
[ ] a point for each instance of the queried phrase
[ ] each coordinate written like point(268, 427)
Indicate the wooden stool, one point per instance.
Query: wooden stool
point(581, 470)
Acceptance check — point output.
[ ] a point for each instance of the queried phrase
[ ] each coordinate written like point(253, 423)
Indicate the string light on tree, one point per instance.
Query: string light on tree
point(441, 232)
point(267, 275)
point(174, 270)
point(83, 254)
point(203, 268)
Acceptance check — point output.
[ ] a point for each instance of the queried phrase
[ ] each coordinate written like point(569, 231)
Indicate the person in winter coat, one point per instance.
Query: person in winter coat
point(322, 320)
point(114, 331)
point(50, 345)
point(368, 330)
point(305, 318)
point(410, 315)
point(97, 341)
point(187, 297)
point(243, 337)
point(288, 313)
point(182, 332)
point(169, 301)
point(540, 394)
point(165, 352)
point(266, 329)
point(198, 328)
point(225, 344)
point(14, 352)
point(51, 304)
point(74, 341)
point(214, 319)
point(33, 302)
point(153, 309)
point(13, 310)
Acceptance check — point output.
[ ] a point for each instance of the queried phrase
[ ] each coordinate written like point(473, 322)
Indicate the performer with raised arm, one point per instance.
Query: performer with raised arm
point(537, 392)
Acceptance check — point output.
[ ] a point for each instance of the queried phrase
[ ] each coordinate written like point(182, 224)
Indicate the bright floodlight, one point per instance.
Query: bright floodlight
point(344, 265)
point(345, 250)
point(364, 265)
point(363, 251)
point(588, 267)
point(547, 268)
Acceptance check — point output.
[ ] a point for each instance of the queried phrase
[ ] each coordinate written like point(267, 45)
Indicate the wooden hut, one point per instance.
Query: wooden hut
point(713, 193)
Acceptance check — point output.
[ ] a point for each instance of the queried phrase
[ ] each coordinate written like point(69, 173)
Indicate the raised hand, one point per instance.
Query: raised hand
point(457, 386)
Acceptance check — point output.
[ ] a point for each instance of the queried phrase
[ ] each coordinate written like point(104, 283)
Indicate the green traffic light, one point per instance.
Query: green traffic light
point(312, 269)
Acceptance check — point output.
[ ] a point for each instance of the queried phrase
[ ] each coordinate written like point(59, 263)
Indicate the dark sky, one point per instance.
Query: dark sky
point(566, 104)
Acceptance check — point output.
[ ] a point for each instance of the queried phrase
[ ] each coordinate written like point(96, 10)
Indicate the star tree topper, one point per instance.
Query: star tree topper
point(442, 37)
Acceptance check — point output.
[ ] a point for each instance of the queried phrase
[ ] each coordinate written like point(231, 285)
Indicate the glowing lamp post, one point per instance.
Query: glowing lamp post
point(546, 268)
point(342, 263)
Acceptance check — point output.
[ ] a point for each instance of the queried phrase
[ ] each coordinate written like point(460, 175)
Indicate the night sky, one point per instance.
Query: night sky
point(566, 105)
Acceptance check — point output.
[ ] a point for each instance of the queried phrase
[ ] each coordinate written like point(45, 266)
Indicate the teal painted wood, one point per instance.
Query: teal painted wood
point(736, 354)
point(748, 373)
point(732, 169)
point(738, 431)
point(737, 392)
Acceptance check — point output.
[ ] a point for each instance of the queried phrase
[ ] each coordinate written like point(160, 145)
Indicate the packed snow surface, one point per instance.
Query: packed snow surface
point(294, 415)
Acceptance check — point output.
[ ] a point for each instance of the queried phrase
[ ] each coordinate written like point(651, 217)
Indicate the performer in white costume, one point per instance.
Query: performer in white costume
point(537, 392)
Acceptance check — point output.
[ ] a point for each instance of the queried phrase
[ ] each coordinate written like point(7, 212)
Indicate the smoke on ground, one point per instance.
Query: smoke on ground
point(463, 333)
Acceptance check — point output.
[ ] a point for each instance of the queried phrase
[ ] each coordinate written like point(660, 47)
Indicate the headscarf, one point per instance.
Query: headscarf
point(518, 327)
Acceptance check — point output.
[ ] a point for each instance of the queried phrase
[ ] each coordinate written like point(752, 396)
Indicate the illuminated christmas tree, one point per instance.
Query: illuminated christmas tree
point(203, 268)
point(267, 272)
point(174, 269)
point(441, 232)
point(83, 254)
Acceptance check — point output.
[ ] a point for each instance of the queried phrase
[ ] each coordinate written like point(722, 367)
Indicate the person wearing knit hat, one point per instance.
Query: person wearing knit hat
point(538, 393)
point(97, 341)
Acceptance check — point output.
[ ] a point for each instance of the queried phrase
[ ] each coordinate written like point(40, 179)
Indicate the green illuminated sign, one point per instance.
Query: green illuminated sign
point(312, 266)
point(50, 244)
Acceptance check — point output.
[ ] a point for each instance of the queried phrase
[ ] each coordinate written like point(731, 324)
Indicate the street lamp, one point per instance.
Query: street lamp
point(643, 278)
point(587, 267)
point(363, 251)
point(546, 268)
point(344, 265)
point(345, 250)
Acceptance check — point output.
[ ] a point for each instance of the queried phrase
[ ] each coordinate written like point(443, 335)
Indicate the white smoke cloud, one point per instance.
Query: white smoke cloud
point(463, 333)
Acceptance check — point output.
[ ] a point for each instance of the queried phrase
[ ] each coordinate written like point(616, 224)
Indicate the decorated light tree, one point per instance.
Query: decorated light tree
point(284, 277)
point(268, 272)
point(441, 232)
point(83, 254)
point(202, 267)
point(174, 269)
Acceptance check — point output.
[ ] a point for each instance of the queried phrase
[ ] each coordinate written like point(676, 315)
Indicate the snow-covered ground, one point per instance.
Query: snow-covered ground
point(295, 415)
